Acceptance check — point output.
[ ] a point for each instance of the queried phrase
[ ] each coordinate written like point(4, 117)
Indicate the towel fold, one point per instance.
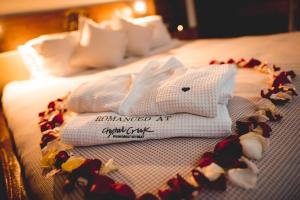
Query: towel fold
point(160, 88)
point(163, 100)
point(103, 128)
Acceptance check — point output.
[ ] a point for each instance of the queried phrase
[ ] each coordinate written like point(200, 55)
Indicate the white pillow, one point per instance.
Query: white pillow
point(160, 35)
point(50, 54)
point(138, 35)
point(98, 47)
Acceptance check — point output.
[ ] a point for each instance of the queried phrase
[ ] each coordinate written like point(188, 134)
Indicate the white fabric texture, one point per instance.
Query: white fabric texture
point(159, 88)
point(50, 54)
point(138, 36)
point(104, 128)
point(145, 99)
point(160, 34)
point(100, 95)
point(98, 47)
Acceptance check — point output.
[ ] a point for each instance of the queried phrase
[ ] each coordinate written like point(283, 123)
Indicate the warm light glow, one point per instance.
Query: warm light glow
point(126, 12)
point(180, 28)
point(1, 30)
point(140, 7)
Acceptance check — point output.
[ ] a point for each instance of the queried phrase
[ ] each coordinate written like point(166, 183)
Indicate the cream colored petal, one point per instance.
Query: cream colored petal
point(212, 172)
point(244, 178)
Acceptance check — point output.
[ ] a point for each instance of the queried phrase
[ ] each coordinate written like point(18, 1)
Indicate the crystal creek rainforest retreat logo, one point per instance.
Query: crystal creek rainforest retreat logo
point(130, 131)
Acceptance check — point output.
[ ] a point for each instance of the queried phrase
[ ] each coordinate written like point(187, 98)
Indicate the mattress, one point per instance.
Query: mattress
point(147, 165)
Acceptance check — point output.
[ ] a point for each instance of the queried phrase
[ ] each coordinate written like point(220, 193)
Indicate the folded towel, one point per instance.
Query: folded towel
point(104, 128)
point(158, 89)
point(165, 89)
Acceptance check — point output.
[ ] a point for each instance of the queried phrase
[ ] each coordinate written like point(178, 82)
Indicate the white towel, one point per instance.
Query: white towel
point(160, 88)
point(104, 128)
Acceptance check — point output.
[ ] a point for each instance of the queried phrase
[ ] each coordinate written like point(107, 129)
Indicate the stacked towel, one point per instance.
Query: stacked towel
point(151, 103)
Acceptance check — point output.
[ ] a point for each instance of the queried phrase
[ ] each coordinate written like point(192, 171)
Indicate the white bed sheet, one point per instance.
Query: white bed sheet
point(22, 101)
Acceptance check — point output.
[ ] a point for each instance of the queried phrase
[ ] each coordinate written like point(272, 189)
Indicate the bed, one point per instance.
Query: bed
point(147, 165)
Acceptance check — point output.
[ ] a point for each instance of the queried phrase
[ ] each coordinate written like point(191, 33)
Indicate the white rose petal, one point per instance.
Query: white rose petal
point(245, 178)
point(253, 145)
point(212, 172)
point(266, 104)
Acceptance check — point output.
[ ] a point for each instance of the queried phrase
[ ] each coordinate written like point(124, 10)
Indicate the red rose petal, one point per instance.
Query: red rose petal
point(58, 119)
point(46, 125)
point(123, 192)
point(227, 151)
point(291, 74)
point(68, 185)
point(218, 184)
point(252, 63)
point(230, 61)
point(281, 79)
point(266, 129)
point(60, 158)
point(148, 196)
point(276, 68)
point(101, 188)
point(240, 164)
point(51, 105)
point(244, 127)
point(41, 114)
point(206, 159)
point(213, 62)
point(87, 170)
point(181, 187)
point(168, 194)
point(48, 137)
point(273, 118)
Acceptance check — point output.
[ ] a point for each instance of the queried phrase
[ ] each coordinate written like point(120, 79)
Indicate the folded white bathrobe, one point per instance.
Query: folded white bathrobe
point(158, 89)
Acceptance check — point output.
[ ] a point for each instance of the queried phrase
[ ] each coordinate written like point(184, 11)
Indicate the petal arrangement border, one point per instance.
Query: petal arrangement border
point(229, 161)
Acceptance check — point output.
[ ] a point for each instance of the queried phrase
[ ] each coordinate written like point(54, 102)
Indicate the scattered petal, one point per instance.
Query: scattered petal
point(252, 63)
point(212, 172)
point(48, 159)
point(181, 187)
point(101, 188)
point(72, 163)
point(245, 178)
point(108, 167)
point(218, 184)
point(206, 159)
point(227, 151)
point(244, 126)
point(123, 192)
point(168, 194)
point(47, 137)
point(60, 158)
point(148, 196)
point(253, 145)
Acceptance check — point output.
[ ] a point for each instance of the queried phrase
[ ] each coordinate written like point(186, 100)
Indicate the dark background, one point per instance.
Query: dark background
point(230, 18)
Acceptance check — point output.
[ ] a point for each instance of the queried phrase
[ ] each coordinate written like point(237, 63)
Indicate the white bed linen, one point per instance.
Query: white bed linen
point(146, 166)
